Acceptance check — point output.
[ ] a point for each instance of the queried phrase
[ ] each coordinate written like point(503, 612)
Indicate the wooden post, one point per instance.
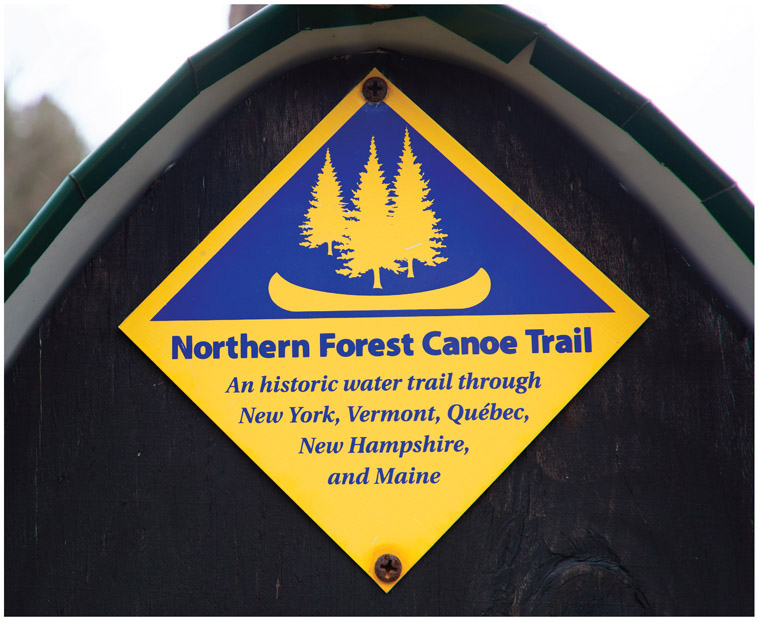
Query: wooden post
point(123, 498)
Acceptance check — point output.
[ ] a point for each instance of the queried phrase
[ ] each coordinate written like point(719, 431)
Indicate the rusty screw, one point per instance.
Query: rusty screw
point(374, 89)
point(388, 568)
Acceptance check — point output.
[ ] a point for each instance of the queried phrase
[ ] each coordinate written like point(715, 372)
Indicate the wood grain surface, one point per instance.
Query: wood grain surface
point(122, 497)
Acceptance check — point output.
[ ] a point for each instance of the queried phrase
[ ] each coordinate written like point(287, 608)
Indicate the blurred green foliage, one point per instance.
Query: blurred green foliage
point(41, 148)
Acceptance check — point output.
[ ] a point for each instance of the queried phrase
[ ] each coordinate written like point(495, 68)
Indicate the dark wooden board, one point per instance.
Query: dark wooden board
point(122, 497)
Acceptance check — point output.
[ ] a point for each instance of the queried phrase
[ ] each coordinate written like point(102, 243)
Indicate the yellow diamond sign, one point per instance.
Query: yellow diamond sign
point(382, 323)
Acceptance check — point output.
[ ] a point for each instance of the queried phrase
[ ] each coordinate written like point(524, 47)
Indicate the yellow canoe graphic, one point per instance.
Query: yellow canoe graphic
point(464, 294)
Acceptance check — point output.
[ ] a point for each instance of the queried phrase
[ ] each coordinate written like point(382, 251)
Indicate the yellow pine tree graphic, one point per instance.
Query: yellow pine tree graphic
point(416, 236)
point(366, 245)
point(385, 228)
point(325, 220)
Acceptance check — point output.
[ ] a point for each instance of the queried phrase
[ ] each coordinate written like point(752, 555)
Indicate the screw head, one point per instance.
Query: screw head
point(374, 89)
point(388, 568)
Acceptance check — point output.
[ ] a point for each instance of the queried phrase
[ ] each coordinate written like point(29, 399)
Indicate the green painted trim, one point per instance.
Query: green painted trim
point(313, 17)
point(40, 232)
point(620, 104)
point(583, 77)
point(736, 215)
point(247, 40)
point(93, 172)
point(498, 30)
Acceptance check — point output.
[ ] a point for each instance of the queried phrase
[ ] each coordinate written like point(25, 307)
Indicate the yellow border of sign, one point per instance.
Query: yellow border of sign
point(147, 335)
point(443, 142)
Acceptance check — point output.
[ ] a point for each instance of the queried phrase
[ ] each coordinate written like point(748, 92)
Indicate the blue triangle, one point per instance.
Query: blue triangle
point(526, 277)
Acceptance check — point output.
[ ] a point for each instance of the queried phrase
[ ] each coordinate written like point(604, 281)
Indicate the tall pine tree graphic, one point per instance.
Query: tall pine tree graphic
point(416, 236)
point(325, 220)
point(366, 244)
point(387, 228)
